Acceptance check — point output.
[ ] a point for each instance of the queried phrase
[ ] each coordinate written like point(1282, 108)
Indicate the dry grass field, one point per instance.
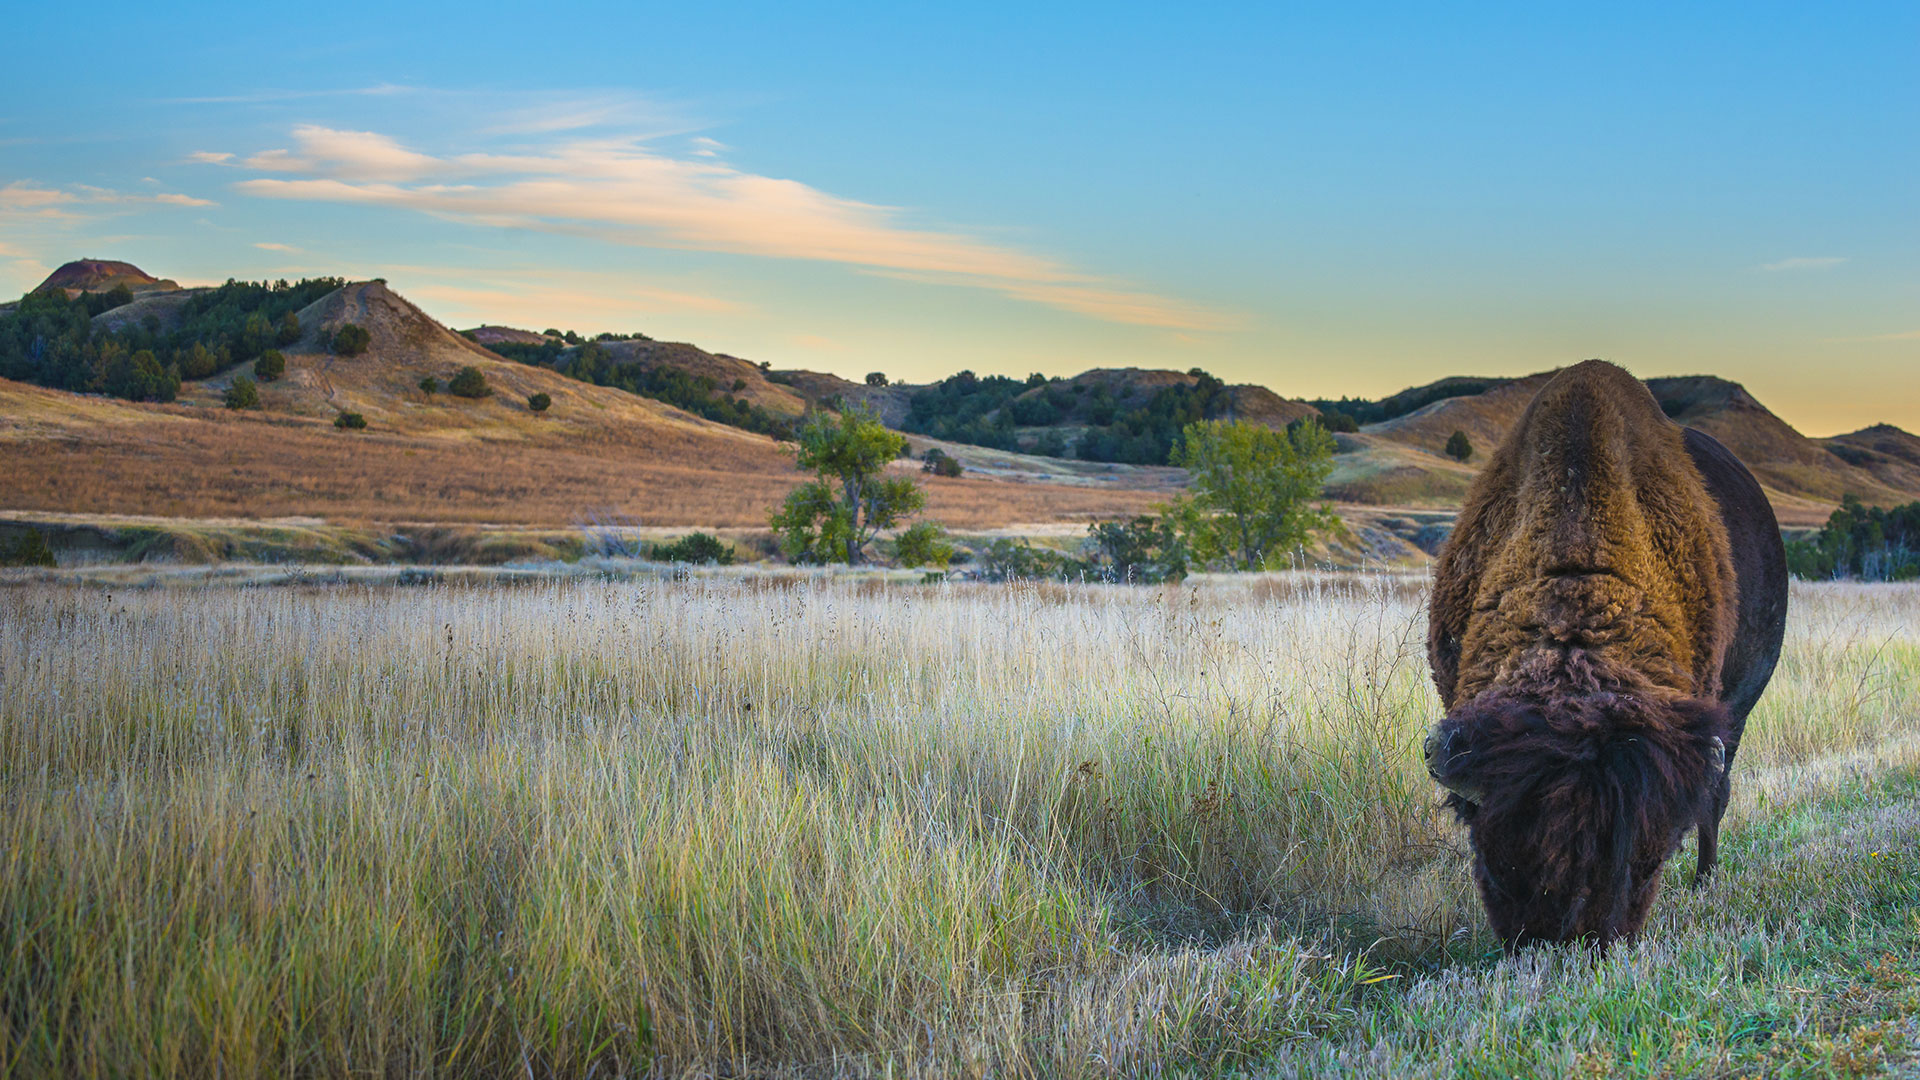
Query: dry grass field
point(814, 826)
point(87, 455)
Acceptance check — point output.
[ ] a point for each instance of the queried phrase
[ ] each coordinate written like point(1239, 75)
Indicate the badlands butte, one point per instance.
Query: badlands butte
point(434, 476)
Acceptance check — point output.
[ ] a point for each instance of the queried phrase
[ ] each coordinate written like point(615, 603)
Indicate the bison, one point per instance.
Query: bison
point(1605, 613)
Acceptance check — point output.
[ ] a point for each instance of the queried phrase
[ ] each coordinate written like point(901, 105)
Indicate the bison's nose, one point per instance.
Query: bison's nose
point(1436, 751)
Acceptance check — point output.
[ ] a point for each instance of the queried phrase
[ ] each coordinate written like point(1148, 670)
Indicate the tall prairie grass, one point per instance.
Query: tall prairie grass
point(739, 825)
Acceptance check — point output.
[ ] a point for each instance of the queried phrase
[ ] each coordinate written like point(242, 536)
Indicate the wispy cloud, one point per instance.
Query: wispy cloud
point(209, 157)
point(23, 199)
point(290, 249)
point(1804, 262)
point(628, 191)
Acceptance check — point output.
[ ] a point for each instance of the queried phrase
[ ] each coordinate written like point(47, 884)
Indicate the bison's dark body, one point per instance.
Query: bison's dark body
point(1605, 615)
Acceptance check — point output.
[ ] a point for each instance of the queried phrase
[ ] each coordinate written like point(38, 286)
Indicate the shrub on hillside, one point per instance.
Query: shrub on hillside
point(469, 383)
point(243, 394)
point(1459, 447)
point(350, 421)
point(876, 378)
point(1145, 551)
point(28, 549)
point(698, 547)
point(539, 402)
point(271, 365)
point(1338, 422)
point(429, 385)
point(351, 340)
point(940, 463)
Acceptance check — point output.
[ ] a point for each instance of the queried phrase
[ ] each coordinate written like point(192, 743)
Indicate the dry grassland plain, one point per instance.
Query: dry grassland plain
point(759, 825)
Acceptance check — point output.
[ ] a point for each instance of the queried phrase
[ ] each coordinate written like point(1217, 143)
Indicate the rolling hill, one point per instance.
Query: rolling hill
point(597, 453)
point(604, 451)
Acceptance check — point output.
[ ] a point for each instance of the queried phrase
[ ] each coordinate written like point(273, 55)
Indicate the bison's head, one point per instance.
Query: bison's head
point(1575, 804)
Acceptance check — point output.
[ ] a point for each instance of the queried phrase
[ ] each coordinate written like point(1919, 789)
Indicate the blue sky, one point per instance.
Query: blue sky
point(1331, 199)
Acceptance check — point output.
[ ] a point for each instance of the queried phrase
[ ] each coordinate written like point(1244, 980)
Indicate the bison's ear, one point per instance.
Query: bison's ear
point(1707, 729)
point(1450, 761)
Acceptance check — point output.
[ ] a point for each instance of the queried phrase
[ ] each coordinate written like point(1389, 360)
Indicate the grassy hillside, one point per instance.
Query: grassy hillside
point(818, 828)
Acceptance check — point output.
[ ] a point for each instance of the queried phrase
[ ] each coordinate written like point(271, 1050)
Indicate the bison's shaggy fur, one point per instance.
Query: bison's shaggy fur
point(1583, 614)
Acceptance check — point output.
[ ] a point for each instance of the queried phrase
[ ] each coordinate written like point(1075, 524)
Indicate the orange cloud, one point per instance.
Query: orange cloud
point(623, 190)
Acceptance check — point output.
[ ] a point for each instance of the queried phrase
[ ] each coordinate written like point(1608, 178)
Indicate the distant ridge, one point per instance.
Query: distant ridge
point(100, 275)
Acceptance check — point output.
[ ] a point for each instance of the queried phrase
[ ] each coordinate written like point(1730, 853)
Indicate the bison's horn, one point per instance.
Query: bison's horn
point(1719, 754)
point(1434, 751)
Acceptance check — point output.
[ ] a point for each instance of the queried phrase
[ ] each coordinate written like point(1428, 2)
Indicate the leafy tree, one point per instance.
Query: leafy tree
point(429, 385)
point(351, 340)
point(350, 421)
point(469, 382)
point(1252, 487)
point(1459, 447)
point(697, 547)
point(288, 331)
point(816, 523)
point(539, 402)
point(924, 543)
point(1338, 422)
point(1870, 543)
point(876, 378)
point(242, 394)
point(271, 365)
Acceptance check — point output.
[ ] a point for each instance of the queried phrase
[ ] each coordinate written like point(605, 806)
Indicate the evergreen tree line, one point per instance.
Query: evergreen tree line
point(700, 395)
point(1347, 414)
point(50, 340)
point(989, 411)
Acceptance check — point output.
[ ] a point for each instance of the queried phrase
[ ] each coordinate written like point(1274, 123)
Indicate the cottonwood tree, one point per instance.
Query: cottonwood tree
point(833, 517)
point(1253, 488)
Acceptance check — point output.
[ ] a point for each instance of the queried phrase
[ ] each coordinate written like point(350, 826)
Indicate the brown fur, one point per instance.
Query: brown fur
point(1581, 613)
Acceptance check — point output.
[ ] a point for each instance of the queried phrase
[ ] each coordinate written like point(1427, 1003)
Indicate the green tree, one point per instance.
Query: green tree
point(818, 524)
point(1459, 447)
point(876, 378)
point(1252, 489)
point(351, 340)
point(469, 383)
point(350, 421)
point(429, 385)
point(289, 330)
point(539, 402)
point(243, 394)
point(271, 365)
